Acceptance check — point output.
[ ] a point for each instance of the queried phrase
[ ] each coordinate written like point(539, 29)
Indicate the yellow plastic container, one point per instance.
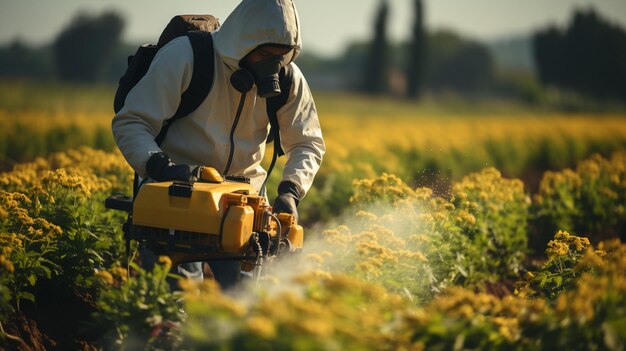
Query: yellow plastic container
point(296, 236)
point(200, 213)
point(237, 228)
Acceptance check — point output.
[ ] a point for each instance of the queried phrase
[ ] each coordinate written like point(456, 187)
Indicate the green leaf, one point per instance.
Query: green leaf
point(32, 279)
point(461, 270)
point(26, 295)
point(558, 280)
point(543, 279)
point(47, 272)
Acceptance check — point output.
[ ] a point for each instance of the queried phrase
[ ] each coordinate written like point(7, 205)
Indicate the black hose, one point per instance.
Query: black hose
point(242, 100)
point(269, 171)
point(279, 231)
point(221, 234)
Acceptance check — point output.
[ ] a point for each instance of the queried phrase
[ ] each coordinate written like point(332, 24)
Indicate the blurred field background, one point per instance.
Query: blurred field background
point(430, 143)
point(473, 196)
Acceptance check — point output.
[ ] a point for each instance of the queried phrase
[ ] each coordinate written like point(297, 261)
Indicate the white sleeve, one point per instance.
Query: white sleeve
point(300, 134)
point(153, 100)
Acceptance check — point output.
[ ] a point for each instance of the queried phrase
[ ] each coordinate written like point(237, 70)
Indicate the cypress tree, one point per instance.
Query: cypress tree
point(417, 54)
point(375, 75)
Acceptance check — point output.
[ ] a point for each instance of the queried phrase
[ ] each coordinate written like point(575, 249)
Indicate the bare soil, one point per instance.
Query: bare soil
point(55, 322)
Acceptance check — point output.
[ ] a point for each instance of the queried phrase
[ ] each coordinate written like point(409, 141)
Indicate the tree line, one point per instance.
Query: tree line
point(587, 57)
point(88, 50)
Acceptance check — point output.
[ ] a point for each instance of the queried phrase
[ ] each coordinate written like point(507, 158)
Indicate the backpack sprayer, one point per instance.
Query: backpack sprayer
point(210, 219)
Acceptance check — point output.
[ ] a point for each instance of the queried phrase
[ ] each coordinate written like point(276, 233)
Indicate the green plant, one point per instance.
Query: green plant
point(411, 241)
point(492, 211)
point(138, 312)
point(53, 226)
point(28, 245)
point(559, 272)
point(402, 238)
point(587, 314)
point(590, 199)
point(319, 311)
point(91, 240)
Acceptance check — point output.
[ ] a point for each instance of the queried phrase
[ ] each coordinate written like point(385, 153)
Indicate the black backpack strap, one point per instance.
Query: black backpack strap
point(285, 79)
point(201, 79)
point(274, 104)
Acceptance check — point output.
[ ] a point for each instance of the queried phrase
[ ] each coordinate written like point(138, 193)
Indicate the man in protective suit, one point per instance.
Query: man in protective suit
point(260, 36)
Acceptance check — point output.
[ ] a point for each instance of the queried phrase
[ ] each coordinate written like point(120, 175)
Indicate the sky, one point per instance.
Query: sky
point(327, 25)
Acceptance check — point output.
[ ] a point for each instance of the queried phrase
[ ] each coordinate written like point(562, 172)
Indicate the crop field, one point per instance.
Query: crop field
point(429, 227)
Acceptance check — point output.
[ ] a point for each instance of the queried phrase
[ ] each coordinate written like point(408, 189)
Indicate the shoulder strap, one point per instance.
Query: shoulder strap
point(274, 104)
point(201, 79)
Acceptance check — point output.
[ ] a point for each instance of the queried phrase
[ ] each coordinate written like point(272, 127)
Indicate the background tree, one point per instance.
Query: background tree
point(416, 53)
point(376, 64)
point(457, 64)
point(588, 57)
point(84, 48)
point(547, 50)
point(19, 60)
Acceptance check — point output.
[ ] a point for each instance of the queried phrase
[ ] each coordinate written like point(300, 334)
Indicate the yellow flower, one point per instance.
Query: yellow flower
point(165, 260)
point(120, 273)
point(261, 326)
point(315, 327)
point(440, 216)
point(368, 267)
point(581, 243)
point(190, 286)
point(7, 264)
point(366, 215)
point(448, 207)
point(314, 258)
point(600, 253)
point(466, 311)
point(105, 277)
point(420, 256)
point(508, 327)
point(466, 217)
point(556, 249)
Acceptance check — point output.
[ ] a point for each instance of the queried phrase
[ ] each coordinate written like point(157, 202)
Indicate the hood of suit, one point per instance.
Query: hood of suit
point(257, 22)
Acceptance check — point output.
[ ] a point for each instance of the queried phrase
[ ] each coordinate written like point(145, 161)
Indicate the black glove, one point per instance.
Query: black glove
point(160, 168)
point(288, 198)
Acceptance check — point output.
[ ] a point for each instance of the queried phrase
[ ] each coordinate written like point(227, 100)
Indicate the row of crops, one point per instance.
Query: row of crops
point(429, 151)
point(428, 228)
point(485, 266)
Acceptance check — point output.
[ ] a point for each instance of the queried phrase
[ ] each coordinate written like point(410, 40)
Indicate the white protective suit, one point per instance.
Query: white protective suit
point(202, 138)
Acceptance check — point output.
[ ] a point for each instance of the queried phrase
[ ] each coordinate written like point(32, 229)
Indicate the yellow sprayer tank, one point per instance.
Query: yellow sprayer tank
point(214, 214)
point(210, 220)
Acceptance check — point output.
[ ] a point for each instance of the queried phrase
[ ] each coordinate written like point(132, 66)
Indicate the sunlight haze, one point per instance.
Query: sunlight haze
point(327, 25)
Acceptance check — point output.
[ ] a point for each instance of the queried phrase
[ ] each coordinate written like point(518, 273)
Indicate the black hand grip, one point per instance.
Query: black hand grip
point(119, 202)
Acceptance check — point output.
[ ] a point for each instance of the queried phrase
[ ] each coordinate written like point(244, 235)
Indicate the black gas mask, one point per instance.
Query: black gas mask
point(265, 74)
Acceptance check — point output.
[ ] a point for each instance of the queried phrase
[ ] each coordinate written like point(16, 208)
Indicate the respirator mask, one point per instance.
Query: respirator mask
point(265, 74)
point(265, 70)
